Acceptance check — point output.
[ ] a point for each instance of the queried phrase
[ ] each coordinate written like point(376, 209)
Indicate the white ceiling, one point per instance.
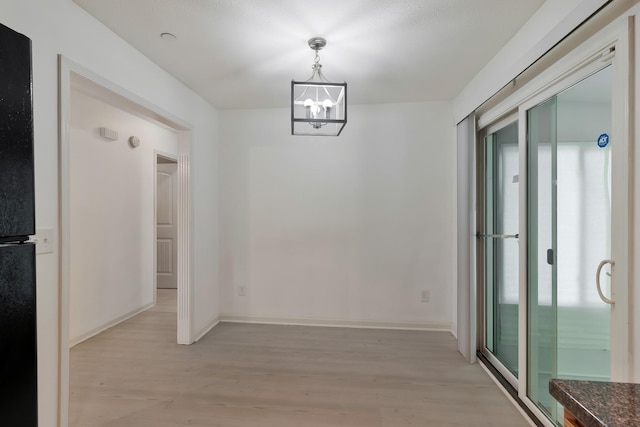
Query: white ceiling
point(244, 53)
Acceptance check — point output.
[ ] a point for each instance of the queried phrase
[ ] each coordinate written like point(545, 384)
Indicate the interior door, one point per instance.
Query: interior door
point(166, 225)
point(569, 159)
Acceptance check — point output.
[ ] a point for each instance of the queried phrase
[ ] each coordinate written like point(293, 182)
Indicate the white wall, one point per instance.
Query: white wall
point(550, 24)
point(60, 27)
point(346, 229)
point(111, 214)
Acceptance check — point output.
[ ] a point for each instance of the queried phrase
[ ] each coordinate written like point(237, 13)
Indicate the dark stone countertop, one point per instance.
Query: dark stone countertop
point(599, 404)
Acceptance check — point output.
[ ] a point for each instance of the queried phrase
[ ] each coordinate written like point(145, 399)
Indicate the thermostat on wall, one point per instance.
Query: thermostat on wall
point(134, 141)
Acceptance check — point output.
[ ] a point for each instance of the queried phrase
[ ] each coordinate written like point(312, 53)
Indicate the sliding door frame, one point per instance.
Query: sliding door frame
point(481, 162)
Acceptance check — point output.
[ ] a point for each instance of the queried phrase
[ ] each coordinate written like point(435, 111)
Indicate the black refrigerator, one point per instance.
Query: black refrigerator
point(18, 360)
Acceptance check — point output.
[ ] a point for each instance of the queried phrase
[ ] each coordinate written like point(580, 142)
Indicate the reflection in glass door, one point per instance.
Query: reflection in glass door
point(569, 233)
point(500, 246)
point(542, 253)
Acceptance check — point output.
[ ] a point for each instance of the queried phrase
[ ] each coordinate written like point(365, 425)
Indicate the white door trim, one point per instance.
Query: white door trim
point(143, 108)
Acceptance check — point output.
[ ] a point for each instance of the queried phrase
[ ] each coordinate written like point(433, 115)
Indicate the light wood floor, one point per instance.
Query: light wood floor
point(244, 375)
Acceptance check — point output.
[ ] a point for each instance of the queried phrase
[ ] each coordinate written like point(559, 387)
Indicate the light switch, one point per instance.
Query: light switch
point(43, 240)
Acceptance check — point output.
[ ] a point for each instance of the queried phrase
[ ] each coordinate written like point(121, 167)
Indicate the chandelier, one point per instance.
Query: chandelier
point(318, 107)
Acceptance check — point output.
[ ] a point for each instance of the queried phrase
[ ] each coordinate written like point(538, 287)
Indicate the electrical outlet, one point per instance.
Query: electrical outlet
point(425, 296)
point(43, 240)
point(242, 291)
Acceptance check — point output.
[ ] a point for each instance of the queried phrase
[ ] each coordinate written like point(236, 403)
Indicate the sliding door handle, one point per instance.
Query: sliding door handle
point(497, 236)
point(602, 264)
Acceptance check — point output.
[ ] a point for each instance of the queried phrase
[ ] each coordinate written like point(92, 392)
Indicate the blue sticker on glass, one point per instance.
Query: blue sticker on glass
point(603, 140)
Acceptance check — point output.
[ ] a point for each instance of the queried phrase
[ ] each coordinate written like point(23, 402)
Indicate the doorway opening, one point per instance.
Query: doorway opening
point(75, 77)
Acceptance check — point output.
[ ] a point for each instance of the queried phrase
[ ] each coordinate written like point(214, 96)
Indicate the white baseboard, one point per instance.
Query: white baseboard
point(205, 329)
point(363, 324)
point(73, 341)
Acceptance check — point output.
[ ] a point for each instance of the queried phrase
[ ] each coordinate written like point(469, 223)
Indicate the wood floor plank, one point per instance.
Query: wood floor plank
point(245, 375)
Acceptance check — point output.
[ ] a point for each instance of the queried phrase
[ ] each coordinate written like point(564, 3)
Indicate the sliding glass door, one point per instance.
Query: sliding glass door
point(569, 236)
point(554, 211)
point(499, 238)
point(542, 269)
